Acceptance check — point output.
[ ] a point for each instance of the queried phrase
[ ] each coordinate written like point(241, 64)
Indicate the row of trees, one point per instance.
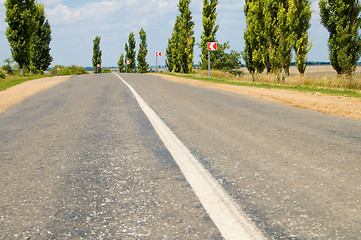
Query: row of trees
point(220, 59)
point(179, 52)
point(343, 22)
point(130, 54)
point(29, 35)
point(275, 31)
point(274, 28)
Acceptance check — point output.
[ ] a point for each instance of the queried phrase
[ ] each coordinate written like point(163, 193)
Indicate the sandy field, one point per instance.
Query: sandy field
point(22, 91)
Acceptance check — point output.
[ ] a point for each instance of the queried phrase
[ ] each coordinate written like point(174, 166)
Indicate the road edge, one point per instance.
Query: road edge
point(20, 92)
point(323, 103)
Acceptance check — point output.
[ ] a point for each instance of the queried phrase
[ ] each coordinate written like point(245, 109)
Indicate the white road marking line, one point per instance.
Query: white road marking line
point(227, 216)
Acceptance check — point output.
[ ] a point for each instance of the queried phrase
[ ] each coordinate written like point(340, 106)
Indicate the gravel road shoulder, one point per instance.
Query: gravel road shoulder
point(335, 105)
point(22, 91)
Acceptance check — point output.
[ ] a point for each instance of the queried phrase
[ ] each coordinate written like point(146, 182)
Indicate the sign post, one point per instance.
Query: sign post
point(98, 66)
point(126, 65)
point(212, 46)
point(157, 54)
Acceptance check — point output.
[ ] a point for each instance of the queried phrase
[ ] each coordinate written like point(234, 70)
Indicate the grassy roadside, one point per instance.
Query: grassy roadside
point(300, 88)
point(11, 81)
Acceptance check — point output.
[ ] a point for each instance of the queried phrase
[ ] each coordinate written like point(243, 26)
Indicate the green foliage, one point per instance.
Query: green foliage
point(274, 28)
point(181, 45)
point(71, 70)
point(228, 62)
point(106, 70)
point(169, 56)
point(8, 68)
point(300, 16)
point(126, 48)
point(343, 22)
point(121, 64)
point(40, 50)
point(173, 54)
point(130, 53)
point(31, 69)
point(21, 24)
point(186, 36)
point(256, 44)
point(209, 29)
point(97, 55)
point(280, 36)
point(143, 52)
point(2, 74)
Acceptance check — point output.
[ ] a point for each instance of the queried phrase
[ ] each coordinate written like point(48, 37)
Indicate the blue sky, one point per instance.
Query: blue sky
point(75, 23)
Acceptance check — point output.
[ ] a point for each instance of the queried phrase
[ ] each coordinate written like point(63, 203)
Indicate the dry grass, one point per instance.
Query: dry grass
point(315, 76)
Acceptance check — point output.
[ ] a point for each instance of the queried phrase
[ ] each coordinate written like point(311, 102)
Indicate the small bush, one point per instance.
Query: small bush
point(8, 68)
point(72, 70)
point(106, 70)
point(2, 74)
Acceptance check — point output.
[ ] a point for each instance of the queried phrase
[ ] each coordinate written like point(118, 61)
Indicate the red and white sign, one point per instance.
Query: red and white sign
point(158, 54)
point(212, 46)
point(128, 62)
point(58, 69)
point(98, 65)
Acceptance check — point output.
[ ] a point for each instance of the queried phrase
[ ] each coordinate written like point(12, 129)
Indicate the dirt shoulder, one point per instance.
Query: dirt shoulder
point(335, 105)
point(22, 91)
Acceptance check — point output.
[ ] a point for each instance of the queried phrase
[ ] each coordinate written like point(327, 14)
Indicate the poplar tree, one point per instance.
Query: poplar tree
point(126, 48)
point(300, 17)
point(285, 36)
point(280, 37)
point(97, 54)
point(40, 51)
point(21, 24)
point(168, 54)
point(342, 20)
point(130, 52)
point(256, 44)
point(173, 51)
point(209, 29)
point(121, 64)
point(186, 36)
point(143, 52)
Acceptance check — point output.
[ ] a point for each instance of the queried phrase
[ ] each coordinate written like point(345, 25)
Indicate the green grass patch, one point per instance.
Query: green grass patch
point(12, 81)
point(323, 90)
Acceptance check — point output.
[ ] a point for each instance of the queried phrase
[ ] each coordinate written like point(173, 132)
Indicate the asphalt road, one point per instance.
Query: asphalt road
point(82, 161)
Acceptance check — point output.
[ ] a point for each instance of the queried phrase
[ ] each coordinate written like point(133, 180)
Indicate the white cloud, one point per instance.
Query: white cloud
point(112, 20)
point(316, 11)
point(105, 11)
point(3, 25)
point(50, 2)
point(231, 5)
point(75, 23)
